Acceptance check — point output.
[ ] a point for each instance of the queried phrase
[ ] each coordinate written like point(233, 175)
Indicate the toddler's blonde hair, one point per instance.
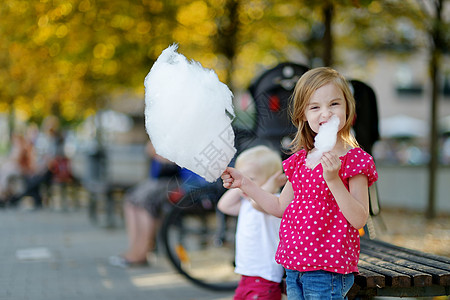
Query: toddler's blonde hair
point(268, 161)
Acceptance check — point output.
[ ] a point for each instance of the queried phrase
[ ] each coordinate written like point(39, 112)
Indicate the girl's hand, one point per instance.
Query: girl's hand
point(331, 165)
point(232, 178)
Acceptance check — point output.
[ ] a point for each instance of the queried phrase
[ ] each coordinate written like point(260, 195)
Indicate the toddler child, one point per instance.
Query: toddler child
point(257, 231)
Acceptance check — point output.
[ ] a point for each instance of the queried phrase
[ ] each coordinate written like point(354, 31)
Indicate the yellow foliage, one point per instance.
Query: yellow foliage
point(61, 31)
point(75, 53)
point(143, 27)
point(84, 6)
point(193, 13)
point(105, 51)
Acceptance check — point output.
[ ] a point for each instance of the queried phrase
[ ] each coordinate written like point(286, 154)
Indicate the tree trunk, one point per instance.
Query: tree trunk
point(434, 152)
point(227, 35)
point(328, 35)
point(11, 123)
point(435, 59)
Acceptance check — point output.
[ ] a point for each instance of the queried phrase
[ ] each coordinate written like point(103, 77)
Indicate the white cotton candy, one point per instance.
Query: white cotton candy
point(324, 141)
point(186, 116)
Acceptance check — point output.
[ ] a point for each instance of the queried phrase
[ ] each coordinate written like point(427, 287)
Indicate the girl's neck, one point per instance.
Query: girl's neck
point(341, 148)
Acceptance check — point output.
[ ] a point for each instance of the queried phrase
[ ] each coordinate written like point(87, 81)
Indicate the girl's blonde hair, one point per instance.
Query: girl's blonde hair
point(304, 89)
point(265, 159)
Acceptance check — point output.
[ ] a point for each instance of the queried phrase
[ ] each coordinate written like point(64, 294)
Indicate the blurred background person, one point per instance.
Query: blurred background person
point(143, 210)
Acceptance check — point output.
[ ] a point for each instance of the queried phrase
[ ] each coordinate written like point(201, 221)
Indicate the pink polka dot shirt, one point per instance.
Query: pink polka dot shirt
point(314, 235)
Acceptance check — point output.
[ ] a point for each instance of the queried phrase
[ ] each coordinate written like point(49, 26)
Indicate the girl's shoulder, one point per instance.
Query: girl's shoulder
point(294, 161)
point(296, 157)
point(358, 152)
point(357, 161)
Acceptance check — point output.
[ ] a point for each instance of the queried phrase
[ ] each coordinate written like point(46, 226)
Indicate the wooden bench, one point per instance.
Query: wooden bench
point(389, 270)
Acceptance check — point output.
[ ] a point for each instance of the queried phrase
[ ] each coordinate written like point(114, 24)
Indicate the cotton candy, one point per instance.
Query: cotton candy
point(324, 141)
point(188, 114)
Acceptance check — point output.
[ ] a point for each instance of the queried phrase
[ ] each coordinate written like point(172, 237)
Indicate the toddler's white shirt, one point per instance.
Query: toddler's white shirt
point(257, 240)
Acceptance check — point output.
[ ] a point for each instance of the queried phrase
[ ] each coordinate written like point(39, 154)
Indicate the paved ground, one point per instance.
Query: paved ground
point(56, 255)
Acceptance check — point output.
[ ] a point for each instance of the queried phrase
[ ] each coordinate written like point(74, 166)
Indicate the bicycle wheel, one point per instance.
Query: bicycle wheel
point(200, 245)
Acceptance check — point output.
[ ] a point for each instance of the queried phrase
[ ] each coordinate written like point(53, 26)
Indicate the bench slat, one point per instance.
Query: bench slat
point(443, 259)
point(440, 276)
point(393, 278)
point(417, 257)
point(368, 278)
point(406, 272)
point(419, 278)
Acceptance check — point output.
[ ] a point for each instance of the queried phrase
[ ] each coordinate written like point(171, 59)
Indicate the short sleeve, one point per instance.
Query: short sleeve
point(292, 163)
point(360, 162)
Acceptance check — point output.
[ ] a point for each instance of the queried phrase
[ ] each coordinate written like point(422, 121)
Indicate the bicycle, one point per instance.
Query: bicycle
point(199, 240)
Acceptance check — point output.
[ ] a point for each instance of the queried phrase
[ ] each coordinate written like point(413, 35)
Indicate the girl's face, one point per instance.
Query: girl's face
point(326, 101)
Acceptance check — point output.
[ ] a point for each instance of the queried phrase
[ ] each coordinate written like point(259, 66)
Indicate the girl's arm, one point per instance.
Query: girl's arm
point(272, 185)
point(270, 203)
point(354, 203)
point(275, 182)
point(230, 202)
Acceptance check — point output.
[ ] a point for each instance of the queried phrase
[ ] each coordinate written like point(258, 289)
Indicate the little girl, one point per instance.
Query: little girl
point(322, 206)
